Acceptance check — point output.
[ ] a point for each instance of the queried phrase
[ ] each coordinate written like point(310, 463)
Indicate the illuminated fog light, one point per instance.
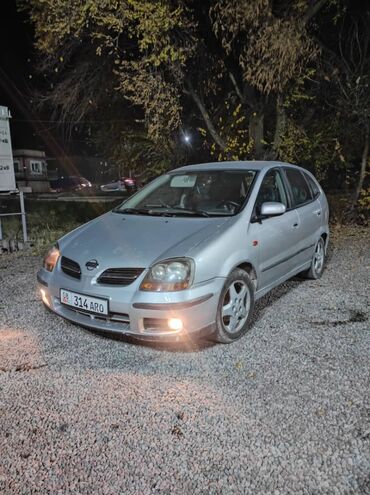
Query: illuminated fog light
point(175, 324)
point(44, 297)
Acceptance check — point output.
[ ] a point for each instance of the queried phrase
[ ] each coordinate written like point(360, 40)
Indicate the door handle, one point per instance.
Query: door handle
point(317, 212)
point(295, 225)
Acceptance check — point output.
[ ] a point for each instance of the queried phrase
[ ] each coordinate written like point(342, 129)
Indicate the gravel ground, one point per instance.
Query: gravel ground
point(285, 410)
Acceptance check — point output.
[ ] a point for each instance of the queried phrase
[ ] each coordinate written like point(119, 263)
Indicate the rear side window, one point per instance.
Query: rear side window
point(300, 191)
point(314, 188)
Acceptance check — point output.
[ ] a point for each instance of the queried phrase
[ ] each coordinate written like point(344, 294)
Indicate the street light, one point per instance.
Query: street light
point(186, 137)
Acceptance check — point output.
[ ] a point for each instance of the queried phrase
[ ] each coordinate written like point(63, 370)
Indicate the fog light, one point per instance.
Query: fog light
point(175, 324)
point(44, 297)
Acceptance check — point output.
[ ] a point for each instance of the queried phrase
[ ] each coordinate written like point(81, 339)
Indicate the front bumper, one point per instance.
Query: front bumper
point(135, 313)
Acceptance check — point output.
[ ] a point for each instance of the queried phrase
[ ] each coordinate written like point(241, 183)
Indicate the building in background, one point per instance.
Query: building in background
point(31, 170)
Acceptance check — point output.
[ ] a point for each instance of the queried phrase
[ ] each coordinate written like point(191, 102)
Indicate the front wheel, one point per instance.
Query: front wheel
point(318, 261)
point(235, 307)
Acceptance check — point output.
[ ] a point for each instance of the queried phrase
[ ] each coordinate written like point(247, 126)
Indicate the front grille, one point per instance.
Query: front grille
point(114, 317)
point(120, 276)
point(70, 267)
point(114, 321)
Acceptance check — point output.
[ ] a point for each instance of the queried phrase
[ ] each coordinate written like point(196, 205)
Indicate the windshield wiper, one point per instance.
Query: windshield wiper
point(133, 211)
point(175, 210)
point(143, 211)
point(190, 211)
point(161, 205)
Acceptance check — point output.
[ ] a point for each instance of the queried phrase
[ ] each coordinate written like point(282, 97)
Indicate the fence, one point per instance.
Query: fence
point(22, 214)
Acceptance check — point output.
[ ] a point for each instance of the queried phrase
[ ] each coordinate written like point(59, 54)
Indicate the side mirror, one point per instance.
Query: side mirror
point(272, 209)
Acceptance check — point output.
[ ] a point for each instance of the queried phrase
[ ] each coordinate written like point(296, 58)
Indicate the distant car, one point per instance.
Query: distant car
point(114, 186)
point(191, 253)
point(123, 184)
point(70, 183)
point(130, 183)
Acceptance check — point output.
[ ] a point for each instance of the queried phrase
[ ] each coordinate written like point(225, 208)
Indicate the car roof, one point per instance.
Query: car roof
point(234, 165)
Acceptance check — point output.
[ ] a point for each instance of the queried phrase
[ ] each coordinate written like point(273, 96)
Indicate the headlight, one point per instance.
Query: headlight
point(51, 258)
point(169, 275)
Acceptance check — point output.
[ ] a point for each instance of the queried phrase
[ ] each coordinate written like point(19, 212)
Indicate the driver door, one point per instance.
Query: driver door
point(276, 236)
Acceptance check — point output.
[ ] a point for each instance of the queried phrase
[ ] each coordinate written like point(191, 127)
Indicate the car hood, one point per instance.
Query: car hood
point(118, 240)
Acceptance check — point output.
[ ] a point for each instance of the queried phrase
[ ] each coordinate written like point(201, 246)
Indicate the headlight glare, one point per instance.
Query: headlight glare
point(51, 259)
point(169, 275)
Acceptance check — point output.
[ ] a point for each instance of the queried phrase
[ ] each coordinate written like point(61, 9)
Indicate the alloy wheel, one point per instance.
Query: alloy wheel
point(319, 256)
point(235, 306)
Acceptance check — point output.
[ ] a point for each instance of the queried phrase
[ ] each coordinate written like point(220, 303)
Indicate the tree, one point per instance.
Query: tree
point(248, 73)
point(267, 48)
point(96, 49)
point(157, 52)
point(348, 69)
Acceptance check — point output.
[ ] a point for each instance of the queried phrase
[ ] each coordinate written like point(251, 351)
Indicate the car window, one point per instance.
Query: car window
point(215, 192)
point(300, 191)
point(272, 189)
point(314, 187)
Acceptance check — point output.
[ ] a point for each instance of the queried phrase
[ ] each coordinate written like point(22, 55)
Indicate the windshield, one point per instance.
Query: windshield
point(203, 193)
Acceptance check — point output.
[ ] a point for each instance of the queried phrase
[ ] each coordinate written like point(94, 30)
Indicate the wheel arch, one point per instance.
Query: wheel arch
point(250, 270)
point(325, 237)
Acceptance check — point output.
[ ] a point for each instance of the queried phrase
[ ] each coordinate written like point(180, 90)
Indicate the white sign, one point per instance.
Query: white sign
point(183, 181)
point(7, 177)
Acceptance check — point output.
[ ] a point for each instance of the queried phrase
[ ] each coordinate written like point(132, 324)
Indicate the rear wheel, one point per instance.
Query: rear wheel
point(235, 307)
point(318, 261)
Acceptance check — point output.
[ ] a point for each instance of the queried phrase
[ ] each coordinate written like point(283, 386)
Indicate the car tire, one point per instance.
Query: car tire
point(318, 261)
point(235, 307)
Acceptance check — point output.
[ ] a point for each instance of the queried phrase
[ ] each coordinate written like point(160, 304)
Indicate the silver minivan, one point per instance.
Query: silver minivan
point(190, 253)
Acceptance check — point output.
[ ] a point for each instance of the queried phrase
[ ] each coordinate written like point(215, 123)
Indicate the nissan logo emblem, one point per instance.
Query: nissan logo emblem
point(92, 264)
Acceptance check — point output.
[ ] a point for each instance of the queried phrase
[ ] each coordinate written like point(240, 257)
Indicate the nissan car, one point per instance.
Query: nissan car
point(188, 255)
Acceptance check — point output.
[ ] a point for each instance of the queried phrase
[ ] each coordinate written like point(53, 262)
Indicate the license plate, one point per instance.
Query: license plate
point(84, 303)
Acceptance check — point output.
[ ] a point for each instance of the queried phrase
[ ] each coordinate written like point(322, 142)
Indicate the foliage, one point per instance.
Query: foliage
point(130, 41)
point(41, 235)
point(231, 126)
point(49, 220)
point(279, 46)
point(135, 151)
point(364, 198)
point(364, 201)
point(259, 79)
point(316, 147)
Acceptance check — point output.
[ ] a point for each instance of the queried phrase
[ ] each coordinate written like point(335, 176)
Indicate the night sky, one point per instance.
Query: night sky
point(18, 79)
point(15, 72)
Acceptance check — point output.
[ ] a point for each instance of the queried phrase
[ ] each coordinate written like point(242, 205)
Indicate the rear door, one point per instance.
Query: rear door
point(317, 194)
point(309, 213)
point(276, 236)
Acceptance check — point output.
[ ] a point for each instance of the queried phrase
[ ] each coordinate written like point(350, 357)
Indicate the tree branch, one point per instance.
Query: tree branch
point(280, 123)
point(207, 119)
point(237, 89)
point(313, 10)
point(365, 154)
